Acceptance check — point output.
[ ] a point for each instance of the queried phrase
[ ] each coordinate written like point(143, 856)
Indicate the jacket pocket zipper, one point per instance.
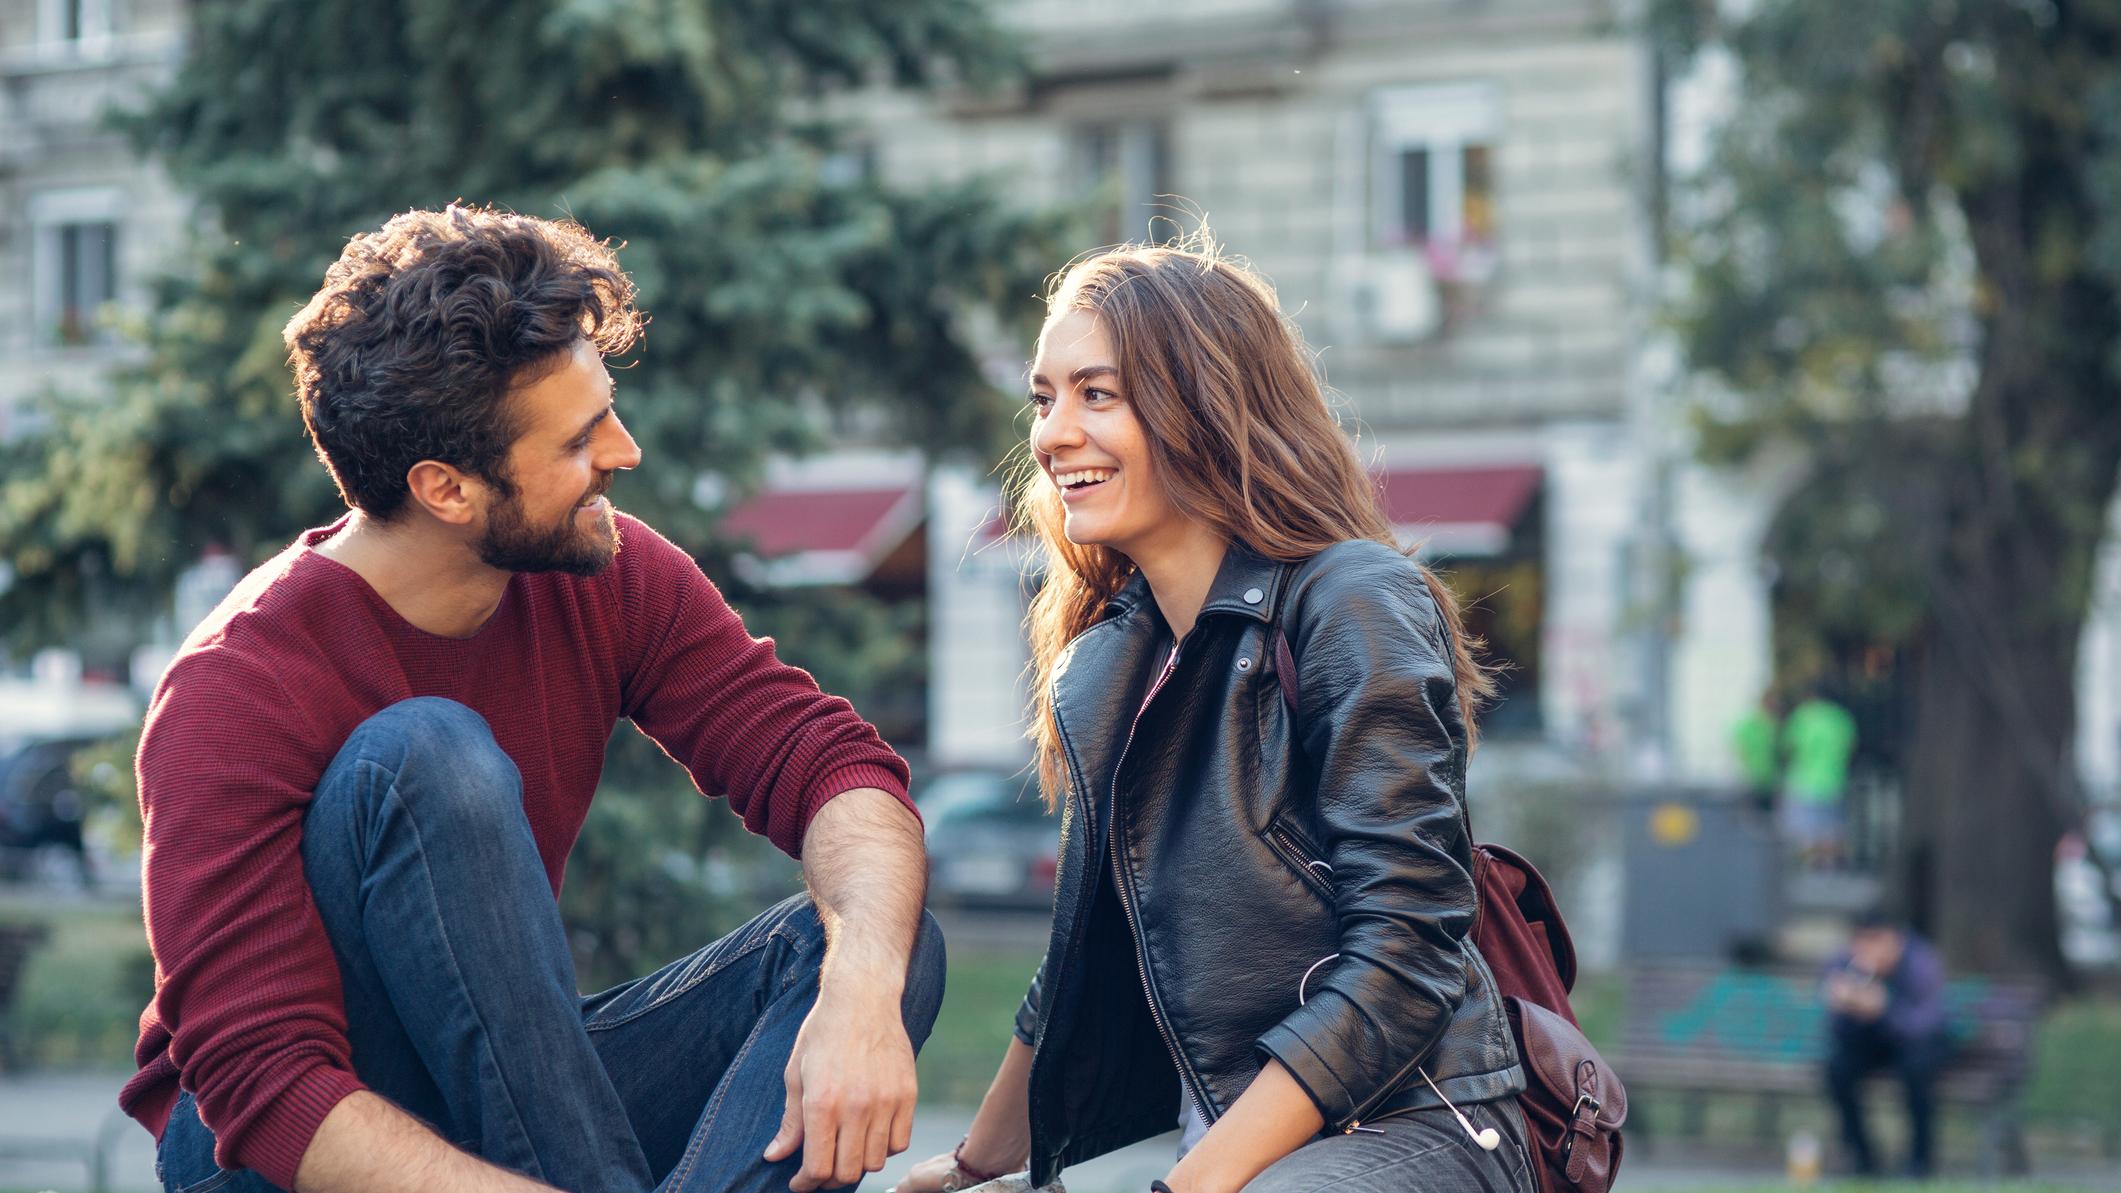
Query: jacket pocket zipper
point(1316, 874)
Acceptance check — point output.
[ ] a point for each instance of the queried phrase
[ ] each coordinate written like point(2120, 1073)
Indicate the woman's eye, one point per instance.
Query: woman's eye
point(1040, 402)
point(1094, 394)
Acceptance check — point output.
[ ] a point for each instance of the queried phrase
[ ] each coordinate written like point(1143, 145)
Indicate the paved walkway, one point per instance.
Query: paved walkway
point(67, 1110)
point(64, 1112)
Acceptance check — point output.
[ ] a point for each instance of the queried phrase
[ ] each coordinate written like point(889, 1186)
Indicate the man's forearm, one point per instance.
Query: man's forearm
point(867, 870)
point(367, 1145)
point(851, 1081)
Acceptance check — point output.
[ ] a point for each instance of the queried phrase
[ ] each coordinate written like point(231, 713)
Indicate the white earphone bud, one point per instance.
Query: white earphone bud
point(1487, 1137)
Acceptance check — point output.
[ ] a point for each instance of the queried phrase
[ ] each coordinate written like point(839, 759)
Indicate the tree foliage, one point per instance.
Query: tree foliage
point(790, 293)
point(792, 297)
point(1902, 261)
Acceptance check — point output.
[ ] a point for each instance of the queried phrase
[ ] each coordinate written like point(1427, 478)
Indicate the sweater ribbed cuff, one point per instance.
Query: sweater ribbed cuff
point(276, 1139)
point(851, 776)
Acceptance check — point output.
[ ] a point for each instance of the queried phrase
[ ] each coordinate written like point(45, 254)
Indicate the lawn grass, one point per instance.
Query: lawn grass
point(972, 1032)
point(81, 996)
point(81, 993)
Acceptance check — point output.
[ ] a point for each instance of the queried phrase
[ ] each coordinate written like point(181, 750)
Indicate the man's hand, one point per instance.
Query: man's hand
point(851, 1090)
point(851, 1085)
point(1857, 997)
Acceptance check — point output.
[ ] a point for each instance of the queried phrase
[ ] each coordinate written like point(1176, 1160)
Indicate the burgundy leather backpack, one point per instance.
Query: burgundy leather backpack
point(1573, 1102)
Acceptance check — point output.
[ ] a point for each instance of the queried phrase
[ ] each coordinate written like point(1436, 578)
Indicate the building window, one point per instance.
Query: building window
point(74, 264)
point(1124, 163)
point(75, 24)
point(88, 278)
point(1433, 174)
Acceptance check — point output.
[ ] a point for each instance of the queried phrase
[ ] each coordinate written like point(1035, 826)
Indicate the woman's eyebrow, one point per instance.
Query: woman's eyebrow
point(1078, 376)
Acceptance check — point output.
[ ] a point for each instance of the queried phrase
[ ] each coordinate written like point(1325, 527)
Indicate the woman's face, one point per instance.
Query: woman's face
point(1089, 443)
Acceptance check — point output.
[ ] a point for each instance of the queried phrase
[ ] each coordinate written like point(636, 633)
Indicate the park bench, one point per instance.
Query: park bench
point(1701, 1030)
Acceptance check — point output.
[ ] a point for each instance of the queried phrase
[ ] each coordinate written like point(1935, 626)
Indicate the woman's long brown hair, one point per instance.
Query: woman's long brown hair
point(1242, 438)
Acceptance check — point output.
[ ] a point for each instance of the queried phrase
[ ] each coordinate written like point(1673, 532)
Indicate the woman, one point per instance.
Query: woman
point(1262, 913)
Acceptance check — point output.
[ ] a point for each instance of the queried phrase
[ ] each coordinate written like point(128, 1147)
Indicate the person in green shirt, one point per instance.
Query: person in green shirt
point(1753, 740)
point(1819, 739)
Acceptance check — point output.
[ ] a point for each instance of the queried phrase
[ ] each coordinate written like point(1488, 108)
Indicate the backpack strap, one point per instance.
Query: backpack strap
point(1285, 670)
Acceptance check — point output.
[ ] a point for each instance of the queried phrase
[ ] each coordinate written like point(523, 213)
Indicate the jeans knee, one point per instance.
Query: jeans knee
point(441, 757)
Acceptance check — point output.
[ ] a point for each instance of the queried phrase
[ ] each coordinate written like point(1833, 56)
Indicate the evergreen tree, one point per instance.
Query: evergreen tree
point(790, 294)
point(1904, 258)
point(792, 298)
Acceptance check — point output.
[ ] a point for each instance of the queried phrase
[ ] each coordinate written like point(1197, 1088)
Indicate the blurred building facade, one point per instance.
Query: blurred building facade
point(1458, 203)
point(84, 221)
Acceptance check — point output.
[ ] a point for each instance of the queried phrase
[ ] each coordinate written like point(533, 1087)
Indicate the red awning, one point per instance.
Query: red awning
point(815, 534)
point(1459, 510)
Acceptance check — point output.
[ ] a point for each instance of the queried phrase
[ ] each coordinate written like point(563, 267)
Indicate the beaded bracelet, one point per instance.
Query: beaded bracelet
point(974, 1175)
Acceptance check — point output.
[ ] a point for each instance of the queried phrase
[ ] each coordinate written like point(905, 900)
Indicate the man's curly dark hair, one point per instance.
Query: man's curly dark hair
point(425, 326)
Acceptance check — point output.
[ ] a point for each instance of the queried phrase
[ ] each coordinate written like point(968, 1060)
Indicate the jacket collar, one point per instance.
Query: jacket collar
point(1247, 583)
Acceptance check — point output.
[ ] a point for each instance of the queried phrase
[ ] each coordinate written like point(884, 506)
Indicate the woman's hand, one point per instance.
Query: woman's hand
point(932, 1175)
point(999, 1141)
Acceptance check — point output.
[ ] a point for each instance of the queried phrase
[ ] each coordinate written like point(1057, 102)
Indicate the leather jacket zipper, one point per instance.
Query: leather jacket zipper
point(1314, 872)
point(1187, 1079)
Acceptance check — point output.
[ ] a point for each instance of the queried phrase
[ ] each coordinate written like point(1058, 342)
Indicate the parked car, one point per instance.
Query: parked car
point(990, 841)
point(40, 810)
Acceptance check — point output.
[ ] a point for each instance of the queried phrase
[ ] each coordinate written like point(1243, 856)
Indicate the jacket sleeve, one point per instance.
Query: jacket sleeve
point(1378, 715)
point(1029, 1012)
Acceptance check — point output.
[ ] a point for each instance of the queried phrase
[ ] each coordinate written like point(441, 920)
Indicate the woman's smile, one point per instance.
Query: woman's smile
point(1079, 484)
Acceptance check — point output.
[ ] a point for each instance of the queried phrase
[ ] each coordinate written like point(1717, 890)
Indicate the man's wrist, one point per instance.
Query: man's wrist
point(858, 980)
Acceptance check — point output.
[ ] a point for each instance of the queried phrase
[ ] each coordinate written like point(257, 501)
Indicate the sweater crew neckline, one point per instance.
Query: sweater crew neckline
point(387, 614)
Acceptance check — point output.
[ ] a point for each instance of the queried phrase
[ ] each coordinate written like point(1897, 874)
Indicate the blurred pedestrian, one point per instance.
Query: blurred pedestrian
point(362, 775)
point(1756, 740)
point(1818, 739)
point(1885, 1011)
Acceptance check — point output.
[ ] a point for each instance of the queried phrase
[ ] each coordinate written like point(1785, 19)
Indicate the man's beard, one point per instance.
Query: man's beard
point(512, 544)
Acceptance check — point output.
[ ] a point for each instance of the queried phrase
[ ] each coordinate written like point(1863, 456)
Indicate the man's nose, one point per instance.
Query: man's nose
point(624, 453)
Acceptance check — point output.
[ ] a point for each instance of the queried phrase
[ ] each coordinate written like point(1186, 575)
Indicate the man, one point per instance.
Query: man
point(1885, 1010)
point(361, 777)
point(1759, 753)
point(1820, 740)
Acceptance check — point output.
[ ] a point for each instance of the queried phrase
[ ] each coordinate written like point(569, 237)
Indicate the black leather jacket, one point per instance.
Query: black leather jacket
point(1297, 891)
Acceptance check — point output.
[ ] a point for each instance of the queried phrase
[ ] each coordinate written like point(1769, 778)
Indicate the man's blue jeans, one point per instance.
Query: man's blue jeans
point(460, 992)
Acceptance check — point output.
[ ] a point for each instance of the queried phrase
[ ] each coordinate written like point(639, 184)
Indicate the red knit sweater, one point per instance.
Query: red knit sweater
point(248, 1013)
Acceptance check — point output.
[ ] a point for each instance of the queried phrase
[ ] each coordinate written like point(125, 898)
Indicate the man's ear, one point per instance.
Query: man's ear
point(451, 496)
